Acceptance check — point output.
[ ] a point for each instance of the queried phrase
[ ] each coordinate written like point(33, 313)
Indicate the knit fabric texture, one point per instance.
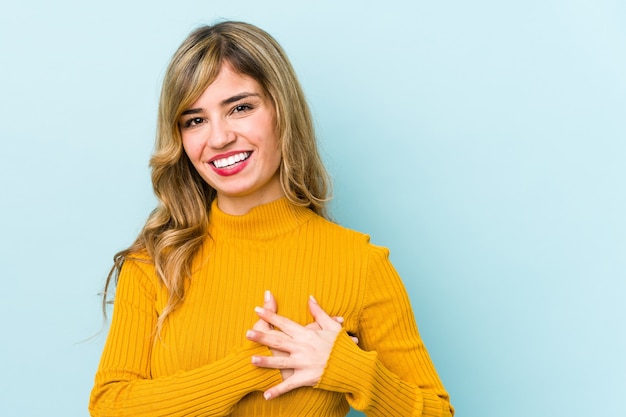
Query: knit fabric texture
point(200, 365)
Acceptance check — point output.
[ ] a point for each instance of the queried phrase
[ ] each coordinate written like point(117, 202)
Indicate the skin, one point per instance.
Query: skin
point(235, 116)
point(300, 352)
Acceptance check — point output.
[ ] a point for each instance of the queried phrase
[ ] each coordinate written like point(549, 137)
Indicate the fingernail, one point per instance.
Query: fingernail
point(339, 319)
point(267, 396)
point(313, 299)
point(268, 296)
point(259, 310)
point(249, 334)
point(255, 360)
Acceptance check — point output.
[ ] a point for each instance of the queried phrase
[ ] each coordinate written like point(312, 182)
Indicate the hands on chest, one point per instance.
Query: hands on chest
point(300, 352)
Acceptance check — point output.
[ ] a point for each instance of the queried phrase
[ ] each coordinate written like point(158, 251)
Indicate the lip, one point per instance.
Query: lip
point(232, 170)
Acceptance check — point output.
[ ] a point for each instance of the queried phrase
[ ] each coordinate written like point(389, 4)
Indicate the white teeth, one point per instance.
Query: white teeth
point(231, 160)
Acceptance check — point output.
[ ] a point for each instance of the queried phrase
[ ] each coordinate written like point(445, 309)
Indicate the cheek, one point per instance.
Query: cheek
point(192, 149)
point(279, 150)
point(278, 155)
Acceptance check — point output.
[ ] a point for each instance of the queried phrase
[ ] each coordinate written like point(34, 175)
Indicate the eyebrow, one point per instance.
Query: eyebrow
point(238, 97)
point(225, 102)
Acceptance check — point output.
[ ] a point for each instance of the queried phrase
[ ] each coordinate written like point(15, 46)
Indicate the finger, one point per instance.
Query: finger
point(269, 302)
point(316, 326)
point(280, 389)
point(313, 326)
point(273, 362)
point(324, 320)
point(289, 327)
point(274, 340)
point(262, 326)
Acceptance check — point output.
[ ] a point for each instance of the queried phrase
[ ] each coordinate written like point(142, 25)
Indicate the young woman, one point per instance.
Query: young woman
point(241, 222)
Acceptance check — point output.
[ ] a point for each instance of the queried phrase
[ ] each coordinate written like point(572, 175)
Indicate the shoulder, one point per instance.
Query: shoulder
point(140, 260)
point(328, 227)
point(138, 269)
point(355, 239)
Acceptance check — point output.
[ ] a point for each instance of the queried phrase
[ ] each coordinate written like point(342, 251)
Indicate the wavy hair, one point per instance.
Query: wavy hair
point(176, 228)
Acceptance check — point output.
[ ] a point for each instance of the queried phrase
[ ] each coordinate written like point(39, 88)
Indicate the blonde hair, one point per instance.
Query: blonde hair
point(177, 227)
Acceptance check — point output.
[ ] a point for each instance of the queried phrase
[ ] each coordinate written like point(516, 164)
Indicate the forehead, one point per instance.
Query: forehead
point(229, 82)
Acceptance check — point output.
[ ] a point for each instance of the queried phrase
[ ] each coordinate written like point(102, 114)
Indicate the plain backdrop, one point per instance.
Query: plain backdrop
point(483, 142)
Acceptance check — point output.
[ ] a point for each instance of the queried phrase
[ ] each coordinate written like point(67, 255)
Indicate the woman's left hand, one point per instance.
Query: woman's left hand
point(307, 347)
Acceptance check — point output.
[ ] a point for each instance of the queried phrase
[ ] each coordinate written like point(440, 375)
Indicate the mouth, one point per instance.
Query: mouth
point(231, 160)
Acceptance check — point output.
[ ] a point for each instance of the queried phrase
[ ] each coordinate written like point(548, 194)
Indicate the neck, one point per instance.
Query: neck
point(262, 222)
point(240, 205)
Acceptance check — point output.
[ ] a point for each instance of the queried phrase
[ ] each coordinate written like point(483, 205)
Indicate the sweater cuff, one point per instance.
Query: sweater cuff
point(349, 371)
point(368, 385)
point(433, 406)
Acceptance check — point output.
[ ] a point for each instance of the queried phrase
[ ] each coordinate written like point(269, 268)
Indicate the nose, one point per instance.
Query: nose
point(220, 134)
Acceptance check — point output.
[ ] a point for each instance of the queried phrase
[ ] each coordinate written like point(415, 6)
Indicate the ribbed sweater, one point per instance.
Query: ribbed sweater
point(201, 363)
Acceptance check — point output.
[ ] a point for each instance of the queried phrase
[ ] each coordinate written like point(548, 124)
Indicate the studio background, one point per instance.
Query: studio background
point(482, 142)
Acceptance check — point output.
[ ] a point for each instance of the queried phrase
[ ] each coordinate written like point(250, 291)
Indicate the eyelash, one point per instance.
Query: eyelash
point(195, 121)
point(241, 108)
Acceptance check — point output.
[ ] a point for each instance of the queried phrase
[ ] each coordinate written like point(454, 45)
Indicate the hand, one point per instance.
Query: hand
point(302, 349)
point(269, 304)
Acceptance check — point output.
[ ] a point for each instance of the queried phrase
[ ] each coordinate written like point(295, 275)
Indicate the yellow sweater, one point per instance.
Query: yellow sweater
point(201, 366)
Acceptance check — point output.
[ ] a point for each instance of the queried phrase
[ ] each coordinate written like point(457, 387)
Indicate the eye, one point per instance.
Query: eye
point(242, 108)
point(194, 121)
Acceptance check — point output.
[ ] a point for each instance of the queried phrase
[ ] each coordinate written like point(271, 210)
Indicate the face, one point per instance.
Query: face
point(229, 134)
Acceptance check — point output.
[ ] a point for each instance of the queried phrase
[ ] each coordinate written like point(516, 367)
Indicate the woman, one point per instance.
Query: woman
point(241, 218)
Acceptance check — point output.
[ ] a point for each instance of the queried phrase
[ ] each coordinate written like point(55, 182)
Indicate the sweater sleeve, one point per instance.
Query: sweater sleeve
point(391, 374)
point(123, 384)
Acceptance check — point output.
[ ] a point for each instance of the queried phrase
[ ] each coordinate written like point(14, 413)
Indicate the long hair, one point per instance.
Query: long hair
point(178, 225)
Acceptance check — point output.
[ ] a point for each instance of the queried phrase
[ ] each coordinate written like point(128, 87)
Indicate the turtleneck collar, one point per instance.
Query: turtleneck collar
point(263, 222)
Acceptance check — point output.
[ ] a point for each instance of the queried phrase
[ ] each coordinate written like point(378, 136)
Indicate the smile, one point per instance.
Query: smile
point(231, 160)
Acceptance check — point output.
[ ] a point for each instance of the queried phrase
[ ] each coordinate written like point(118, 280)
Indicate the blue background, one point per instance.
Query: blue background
point(483, 142)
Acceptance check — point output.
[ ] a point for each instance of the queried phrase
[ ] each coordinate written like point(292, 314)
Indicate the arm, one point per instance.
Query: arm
point(393, 374)
point(124, 385)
